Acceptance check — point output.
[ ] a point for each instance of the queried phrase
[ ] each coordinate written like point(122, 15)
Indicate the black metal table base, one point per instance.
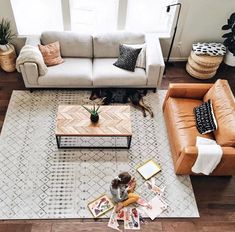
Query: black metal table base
point(59, 137)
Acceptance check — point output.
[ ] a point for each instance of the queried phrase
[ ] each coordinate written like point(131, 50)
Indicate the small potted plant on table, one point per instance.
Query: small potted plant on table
point(94, 113)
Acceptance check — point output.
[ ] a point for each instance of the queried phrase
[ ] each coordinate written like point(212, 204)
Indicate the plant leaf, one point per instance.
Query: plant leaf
point(227, 42)
point(232, 18)
point(233, 29)
point(97, 108)
point(227, 35)
point(225, 27)
point(231, 49)
point(89, 110)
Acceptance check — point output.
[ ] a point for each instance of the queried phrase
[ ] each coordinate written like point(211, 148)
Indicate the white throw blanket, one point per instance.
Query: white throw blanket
point(209, 156)
point(31, 54)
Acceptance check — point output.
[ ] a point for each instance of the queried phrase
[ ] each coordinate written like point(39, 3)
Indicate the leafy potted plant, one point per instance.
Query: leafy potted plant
point(229, 41)
point(94, 113)
point(6, 34)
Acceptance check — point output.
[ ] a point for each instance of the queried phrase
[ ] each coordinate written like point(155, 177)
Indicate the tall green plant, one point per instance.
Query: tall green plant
point(229, 41)
point(6, 34)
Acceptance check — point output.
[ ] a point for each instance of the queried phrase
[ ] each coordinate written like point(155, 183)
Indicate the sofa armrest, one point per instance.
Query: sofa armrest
point(188, 90)
point(30, 74)
point(33, 40)
point(189, 155)
point(154, 61)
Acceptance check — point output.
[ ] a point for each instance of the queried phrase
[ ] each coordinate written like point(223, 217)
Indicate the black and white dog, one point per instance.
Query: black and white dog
point(122, 96)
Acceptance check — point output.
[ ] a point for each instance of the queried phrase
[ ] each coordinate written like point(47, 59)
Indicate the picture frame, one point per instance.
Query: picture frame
point(148, 169)
point(100, 205)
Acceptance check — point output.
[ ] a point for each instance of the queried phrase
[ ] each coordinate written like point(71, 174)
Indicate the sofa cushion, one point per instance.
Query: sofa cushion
point(106, 74)
point(181, 122)
point(107, 44)
point(224, 109)
point(71, 44)
point(72, 72)
point(51, 53)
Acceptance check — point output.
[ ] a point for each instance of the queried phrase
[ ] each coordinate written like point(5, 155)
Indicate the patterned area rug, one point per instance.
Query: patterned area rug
point(39, 181)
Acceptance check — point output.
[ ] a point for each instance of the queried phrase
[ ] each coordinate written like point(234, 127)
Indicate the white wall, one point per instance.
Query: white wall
point(6, 12)
point(200, 21)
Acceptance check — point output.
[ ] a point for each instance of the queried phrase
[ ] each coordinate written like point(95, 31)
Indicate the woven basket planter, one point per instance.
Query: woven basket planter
point(8, 59)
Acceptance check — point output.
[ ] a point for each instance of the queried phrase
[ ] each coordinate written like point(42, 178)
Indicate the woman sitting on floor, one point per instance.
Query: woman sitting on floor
point(122, 189)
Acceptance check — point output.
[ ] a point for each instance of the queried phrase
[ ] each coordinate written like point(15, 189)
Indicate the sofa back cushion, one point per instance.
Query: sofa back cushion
point(71, 44)
point(106, 45)
point(224, 109)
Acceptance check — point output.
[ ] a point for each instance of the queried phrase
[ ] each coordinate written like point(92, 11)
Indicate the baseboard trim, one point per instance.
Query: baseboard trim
point(177, 59)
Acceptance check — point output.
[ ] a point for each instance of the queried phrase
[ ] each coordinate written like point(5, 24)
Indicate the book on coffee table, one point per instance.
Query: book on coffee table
point(148, 169)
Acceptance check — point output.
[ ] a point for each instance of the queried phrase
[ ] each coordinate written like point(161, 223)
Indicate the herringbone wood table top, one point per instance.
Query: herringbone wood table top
point(74, 120)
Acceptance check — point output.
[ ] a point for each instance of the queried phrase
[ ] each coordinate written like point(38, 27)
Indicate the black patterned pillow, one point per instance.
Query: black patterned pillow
point(127, 57)
point(211, 49)
point(205, 119)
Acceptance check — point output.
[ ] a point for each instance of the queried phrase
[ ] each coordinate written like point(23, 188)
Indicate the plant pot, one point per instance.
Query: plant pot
point(4, 48)
point(94, 118)
point(8, 58)
point(229, 59)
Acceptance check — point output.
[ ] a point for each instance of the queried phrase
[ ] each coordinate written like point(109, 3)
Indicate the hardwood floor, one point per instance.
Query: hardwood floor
point(176, 73)
point(215, 195)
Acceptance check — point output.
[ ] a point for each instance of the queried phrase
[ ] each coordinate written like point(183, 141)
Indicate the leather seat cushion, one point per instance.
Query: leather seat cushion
point(224, 109)
point(182, 125)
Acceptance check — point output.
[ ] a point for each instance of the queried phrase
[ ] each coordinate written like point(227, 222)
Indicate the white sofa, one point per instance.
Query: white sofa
point(88, 62)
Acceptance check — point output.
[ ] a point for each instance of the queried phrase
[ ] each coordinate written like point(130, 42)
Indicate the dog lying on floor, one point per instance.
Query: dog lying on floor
point(109, 96)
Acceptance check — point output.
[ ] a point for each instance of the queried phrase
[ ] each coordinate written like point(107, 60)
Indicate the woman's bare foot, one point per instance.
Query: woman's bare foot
point(119, 207)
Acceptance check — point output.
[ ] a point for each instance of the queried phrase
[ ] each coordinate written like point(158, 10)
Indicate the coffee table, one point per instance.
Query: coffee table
point(74, 121)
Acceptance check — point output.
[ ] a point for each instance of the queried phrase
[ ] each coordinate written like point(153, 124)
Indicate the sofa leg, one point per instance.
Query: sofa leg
point(155, 90)
point(145, 92)
point(31, 90)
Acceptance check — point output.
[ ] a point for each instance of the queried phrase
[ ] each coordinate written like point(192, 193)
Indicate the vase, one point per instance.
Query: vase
point(229, 59)
point(94, 118)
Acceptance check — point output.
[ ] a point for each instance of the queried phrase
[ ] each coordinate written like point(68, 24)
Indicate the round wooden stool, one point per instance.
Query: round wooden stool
point(203, 66)
point(8, 59)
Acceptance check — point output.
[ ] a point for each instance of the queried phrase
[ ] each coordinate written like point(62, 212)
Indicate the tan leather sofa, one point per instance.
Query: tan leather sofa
point(180, 122)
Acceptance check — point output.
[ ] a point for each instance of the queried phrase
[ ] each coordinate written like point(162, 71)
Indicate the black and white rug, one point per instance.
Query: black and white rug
point(38, 181)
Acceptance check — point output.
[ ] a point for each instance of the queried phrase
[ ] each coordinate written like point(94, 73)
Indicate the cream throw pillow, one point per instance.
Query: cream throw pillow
point(141, 60)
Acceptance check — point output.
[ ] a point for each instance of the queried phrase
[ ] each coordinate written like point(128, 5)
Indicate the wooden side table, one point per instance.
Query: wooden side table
point(8, 59)
point(203, 66)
